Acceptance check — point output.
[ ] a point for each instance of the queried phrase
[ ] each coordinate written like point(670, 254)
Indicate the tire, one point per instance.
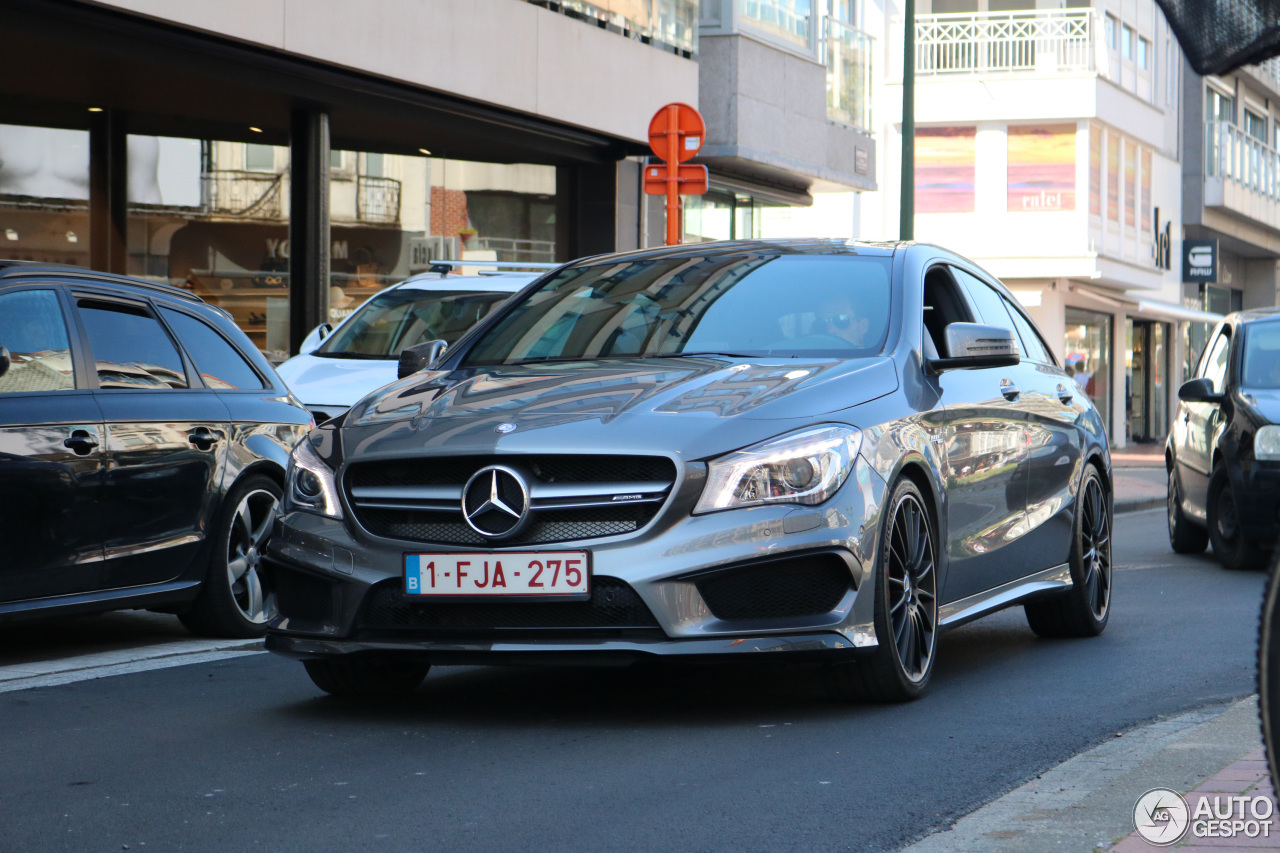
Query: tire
point(906, 608)
point(232, 601)
point(1269, 665)
point(1185, 536)
point(1229, 545)
point(368, 678)
point(1086, 608)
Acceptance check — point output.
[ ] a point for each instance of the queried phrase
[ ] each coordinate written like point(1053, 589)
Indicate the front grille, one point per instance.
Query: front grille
point(787, 588)
point(572, 498)
point(614, 605)
point(302, 597)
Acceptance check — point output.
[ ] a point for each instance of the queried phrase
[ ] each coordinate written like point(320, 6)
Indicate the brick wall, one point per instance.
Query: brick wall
point(448, 211)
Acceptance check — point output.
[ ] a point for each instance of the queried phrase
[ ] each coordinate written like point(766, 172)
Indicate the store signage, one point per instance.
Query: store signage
point(279, 250)
point(1162, 247)
point(1200, 261)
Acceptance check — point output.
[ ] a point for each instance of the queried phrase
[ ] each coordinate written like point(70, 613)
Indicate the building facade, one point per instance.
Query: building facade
point(1049, 149)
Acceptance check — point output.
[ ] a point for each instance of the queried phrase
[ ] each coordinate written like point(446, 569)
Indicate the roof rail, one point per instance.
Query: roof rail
point(9, 269)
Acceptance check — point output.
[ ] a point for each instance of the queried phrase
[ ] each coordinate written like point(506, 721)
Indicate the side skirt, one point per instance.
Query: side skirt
point(965, 610)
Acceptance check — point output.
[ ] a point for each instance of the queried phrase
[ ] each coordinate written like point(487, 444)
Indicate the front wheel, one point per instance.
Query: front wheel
point(367, 678)
point(906, 608)
point(1085, 609)
point(1230, 546)
point(232, 600)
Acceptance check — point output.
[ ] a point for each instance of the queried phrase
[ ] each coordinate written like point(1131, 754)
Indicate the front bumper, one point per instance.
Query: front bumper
point(1258, 500)
point(341, 564)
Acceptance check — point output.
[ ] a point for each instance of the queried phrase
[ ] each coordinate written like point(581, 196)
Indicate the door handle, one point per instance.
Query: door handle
point(1064, 395)
point(81, 442)
point(1009, 390)
point(203, 439)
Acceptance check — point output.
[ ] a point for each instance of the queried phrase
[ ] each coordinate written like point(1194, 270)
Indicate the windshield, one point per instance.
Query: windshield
point(1262, 355)
point(398, 319)
point(751, 305)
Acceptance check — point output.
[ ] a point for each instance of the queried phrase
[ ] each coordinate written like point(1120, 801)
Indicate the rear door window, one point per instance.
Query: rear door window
point(34, 330)
point(220, 365)
point(130, 349)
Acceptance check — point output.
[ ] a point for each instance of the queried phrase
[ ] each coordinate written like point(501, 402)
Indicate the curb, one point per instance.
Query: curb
point(1123, 505)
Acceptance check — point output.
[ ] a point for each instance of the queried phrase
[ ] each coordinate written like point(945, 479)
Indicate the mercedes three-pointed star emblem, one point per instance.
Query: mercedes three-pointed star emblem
point(495, 502)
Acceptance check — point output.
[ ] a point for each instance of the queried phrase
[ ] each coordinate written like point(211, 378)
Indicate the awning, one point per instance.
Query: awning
point(1149, 307)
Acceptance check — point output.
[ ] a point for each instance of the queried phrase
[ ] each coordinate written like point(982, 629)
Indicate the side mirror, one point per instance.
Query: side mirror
point(420, 357)
point(314, 338)
point(5, 361)
point(975, 345)
point(1199, 391)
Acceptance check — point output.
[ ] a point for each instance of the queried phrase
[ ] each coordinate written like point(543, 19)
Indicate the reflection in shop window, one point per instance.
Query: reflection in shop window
point(1088, 361)
point(44, 194)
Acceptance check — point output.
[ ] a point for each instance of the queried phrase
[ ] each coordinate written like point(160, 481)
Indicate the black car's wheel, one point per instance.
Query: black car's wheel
point(1230, 546)
point(368, 678)
point(1085, 609)
point(1185, 536)
point(232, 600)
point(906, 612)
point(1269, 665)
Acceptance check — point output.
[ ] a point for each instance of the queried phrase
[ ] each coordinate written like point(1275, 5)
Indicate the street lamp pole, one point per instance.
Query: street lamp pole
point(907, 206)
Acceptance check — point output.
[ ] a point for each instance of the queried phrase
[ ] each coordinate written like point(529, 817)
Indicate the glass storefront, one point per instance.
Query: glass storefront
point(1088, 356)
point(721, 215)
point(44, 194)
point(1146, 360)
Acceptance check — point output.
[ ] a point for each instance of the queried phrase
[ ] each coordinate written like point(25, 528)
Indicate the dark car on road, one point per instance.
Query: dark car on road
point(815, 451)
point(143, 446)
point(1223, 453)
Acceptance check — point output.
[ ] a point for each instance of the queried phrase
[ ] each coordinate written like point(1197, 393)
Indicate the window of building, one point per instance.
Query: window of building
point(130, 348)
point(1126, 41)
point(1217, 106)
point(1113, 39)
point(220, 365)
point(337, 160)
point(259, 158)
point(34, 331)
point(1255, 125)
point(1144, 50)
point(1146, 192)
point(787, 20)
point(1130, 175)
point(1113, 177)
point(1095, 170)
point(1170, 72)
point(375, 165)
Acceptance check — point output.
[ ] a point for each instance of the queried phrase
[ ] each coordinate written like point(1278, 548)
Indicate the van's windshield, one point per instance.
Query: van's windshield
point(750, 305)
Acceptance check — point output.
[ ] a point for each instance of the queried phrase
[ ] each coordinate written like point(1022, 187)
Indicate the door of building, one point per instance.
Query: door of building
point(1145, 381)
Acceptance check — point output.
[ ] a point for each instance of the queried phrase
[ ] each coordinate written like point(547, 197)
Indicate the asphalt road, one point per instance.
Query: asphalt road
point(247, 754)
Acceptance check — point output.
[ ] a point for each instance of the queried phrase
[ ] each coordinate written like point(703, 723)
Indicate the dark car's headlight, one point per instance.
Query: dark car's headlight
point(309, 483)
point(1266, 443)
point(806, 467)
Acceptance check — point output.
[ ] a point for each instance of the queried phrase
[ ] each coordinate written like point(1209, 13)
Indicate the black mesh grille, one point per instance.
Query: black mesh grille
point(613, 605)
point(1219, 35)
point(303, 597)
point(449, 470)
point(566, 525)
point(546, 525)
point(798, 586)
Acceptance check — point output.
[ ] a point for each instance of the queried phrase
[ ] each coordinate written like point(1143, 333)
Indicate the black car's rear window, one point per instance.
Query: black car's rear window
point(752, 305)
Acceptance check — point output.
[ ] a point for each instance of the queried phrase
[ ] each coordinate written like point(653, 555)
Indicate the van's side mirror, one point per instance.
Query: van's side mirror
point(976, 345)
point(1199, 391)
point(313, 339)
point(420, 357)
point(5, 360)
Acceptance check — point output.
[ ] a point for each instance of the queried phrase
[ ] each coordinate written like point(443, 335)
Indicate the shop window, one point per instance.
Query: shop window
point(1088, 361)
point(945, 169)
point(1041, 168)
point(44, 194)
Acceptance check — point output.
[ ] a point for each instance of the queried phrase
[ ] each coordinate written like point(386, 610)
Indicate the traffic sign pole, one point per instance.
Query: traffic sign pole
point(675, 218)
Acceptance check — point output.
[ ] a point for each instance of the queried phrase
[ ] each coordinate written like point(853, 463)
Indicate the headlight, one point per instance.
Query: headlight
point(802, 468)
point(309, 483)
point(1266, 444)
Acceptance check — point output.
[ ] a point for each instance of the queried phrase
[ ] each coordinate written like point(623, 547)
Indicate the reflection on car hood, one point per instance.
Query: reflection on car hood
point(651, 401)
point(1267, 402)
point(318, 381)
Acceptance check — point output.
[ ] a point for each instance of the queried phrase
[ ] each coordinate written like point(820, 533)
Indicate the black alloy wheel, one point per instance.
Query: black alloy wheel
point(906, 588)
point(1230, 546)
point(1185, 536)
point(1084, 610)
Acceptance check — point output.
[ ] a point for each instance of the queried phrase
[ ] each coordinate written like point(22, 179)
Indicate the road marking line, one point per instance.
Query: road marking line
point(76, 670)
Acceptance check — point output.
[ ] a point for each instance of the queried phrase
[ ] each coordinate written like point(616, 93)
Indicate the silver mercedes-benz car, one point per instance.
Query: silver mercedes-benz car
point(817, 451)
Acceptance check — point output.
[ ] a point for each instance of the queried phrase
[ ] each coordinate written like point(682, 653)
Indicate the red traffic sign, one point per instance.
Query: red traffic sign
point(676, 128)
point(690, 179)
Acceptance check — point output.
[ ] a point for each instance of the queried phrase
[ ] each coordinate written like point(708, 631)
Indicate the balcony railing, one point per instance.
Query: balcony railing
point(1232, 154)
point(244, 195)
point(377, 199)
point(1057, 41)
point(848, 53)
point(517, 250)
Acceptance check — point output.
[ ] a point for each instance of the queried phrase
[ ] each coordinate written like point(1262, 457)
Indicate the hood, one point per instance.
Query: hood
point(319, 381)
point(1266, 401)
point(667, 403)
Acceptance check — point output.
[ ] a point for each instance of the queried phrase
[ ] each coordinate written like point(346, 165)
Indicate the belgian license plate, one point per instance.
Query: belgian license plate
point(490, 575)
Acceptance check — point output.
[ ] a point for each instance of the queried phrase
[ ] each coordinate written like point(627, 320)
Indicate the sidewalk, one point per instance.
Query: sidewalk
point(1139, 476)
